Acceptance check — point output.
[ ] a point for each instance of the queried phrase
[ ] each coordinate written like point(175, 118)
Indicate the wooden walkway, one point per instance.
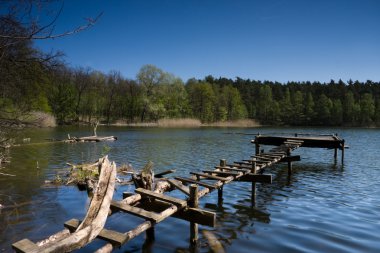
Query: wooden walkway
point(154, 206)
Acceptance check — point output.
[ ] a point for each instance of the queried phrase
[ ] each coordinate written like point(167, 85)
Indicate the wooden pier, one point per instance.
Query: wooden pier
point(151, 204)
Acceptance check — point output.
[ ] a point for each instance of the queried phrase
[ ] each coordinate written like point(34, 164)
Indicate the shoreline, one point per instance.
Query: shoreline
point(189, 123)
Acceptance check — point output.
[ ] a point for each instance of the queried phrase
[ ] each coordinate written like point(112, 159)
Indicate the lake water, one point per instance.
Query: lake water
point(323, 207)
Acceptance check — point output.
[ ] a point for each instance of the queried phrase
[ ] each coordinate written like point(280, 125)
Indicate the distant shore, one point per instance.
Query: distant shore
point(189, 123)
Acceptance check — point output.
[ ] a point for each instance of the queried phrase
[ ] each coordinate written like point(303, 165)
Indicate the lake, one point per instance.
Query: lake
point(325, 206)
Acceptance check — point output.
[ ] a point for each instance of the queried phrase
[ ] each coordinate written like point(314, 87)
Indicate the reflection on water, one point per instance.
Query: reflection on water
point(323, 207)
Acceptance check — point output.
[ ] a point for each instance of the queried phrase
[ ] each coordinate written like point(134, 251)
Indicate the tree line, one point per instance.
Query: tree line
point(32, 80)
point(85, 95)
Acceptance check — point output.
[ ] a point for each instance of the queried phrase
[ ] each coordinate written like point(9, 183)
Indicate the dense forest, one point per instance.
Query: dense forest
point(33, 81)
point(84, 95)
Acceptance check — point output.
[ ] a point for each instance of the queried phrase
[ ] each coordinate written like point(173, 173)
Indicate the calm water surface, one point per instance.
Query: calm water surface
point(324, 207)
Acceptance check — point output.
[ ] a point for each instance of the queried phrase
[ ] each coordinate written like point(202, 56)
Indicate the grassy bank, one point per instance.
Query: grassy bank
point(190, 123)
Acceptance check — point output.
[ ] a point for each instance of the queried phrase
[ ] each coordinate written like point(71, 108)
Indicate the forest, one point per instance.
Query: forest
point(80, 95)
point(35, 82)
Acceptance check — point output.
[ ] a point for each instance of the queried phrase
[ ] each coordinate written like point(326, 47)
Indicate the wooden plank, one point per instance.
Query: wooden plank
point(294, 141)
point(241, 166)
point(111, 236)
point(25, 246)
point(128, 194)
point(277, 156)
point(162, 174)
point(277, 152)
point(256, 178)
point(192, 181)
point(262, 158)
point(196, 215)
point(136, 211)
point(223, 173)
point(208, 176)
point(294, 158)
point(233, 168)
point(177, 184)
point(96, 215)
point(169, 199)
point(248, 164)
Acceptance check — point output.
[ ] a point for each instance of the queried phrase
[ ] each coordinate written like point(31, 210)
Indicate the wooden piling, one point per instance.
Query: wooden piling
point(342, 151)
point(257, 150)
point(193, 203)
point(253, 171)
point(222, 163)
point(335, 153)
point(289, 163)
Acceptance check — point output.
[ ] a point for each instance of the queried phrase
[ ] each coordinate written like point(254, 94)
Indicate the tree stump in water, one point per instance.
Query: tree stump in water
point(146, 178)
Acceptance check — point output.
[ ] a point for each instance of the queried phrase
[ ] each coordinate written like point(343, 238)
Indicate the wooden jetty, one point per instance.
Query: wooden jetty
point(151, 204)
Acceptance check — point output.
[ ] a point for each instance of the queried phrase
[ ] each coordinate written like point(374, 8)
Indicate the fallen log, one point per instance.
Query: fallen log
point(214, 243)
point(90, 139)
point(93, 223)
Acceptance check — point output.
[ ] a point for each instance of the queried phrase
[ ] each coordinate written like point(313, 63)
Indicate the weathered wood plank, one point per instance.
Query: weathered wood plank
point(95, 217)
point(25, 246)
point(208, 176)
point(169, 199)
point(233, 168)
point(111, 236)
point(197, 215)
point(224, 173)
point(177, 184)
point(256, 178)
point(192, 181)
point(291, 158)
point(259, 157)
point(162, 174)
point(249, 163)
point(139, 212)
point(277, 156)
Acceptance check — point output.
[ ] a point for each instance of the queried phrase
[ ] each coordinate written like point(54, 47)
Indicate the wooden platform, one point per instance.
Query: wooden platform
point(324, 141)
point(155, 206)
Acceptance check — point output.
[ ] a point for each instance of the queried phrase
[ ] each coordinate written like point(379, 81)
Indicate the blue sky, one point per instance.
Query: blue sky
point(277, 40)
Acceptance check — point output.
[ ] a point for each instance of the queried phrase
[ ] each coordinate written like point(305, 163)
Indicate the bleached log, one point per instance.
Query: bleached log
point(96, 215)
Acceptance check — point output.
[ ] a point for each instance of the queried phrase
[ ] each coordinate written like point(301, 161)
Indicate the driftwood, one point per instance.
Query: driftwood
point(91, 139)
point(214, 243)
point(95, 218)
point(146, 178)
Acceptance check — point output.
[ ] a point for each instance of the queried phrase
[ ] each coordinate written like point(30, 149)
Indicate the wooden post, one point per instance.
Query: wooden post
point(257, 145)
point(193, 203)
point(253, 171)
point(222, 163)
point(150, 234)
point(147, 178)
point(342, 151)
point(289, 163)
point(335, 153)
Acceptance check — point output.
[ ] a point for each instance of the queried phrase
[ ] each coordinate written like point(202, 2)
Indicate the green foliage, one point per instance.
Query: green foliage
point(367, 109)
point(202, 100)
point(105, 150)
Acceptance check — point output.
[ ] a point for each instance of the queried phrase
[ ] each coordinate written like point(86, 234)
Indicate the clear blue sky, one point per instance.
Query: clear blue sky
point(277, 40)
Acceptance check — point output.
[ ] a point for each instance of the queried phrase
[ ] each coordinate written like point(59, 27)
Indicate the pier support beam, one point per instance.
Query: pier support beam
point(289, 163)
point(342, 151)
point(222, 163)
point(193, 203)
point(253, 171)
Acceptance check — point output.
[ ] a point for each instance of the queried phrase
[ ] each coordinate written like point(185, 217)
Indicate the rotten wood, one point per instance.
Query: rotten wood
point(95, 218)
